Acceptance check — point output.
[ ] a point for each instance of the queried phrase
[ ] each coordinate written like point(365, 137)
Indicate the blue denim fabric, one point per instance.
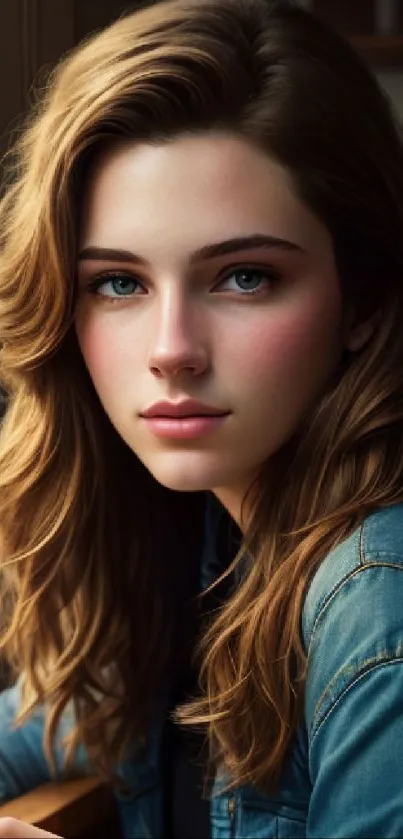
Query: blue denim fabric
point(344, 773)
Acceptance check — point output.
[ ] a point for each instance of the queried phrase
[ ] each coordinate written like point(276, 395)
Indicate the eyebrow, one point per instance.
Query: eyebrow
point(239, 243)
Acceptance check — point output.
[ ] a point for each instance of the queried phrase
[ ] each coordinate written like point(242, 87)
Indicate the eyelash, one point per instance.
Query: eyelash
point(269, 274)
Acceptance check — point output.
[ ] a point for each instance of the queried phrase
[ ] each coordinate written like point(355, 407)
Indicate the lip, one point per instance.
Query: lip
point(187, 408)
point(184, 428)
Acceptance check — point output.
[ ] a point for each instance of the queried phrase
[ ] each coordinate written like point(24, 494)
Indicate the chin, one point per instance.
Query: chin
point(182, 483)
point(185, 475)
point(190, 471)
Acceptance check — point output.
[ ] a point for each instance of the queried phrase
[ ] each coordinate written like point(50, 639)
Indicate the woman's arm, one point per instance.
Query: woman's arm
point(354, 708)
point(356, 760)
point(23, 765)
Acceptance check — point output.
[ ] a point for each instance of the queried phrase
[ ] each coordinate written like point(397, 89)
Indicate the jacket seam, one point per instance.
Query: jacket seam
point(337, 588)
point(370, 666)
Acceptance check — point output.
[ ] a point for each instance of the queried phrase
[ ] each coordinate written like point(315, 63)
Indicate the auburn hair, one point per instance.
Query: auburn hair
point(95, 555)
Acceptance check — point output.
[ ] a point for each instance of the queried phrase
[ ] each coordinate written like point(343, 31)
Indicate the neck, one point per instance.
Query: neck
point(237, 500)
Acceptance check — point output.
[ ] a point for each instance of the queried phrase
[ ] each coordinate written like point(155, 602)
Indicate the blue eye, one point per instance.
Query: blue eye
point(249, 280)
point(120, 285)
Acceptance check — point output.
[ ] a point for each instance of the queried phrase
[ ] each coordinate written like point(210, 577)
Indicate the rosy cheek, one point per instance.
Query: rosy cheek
point(285, 345)
point(97, 346)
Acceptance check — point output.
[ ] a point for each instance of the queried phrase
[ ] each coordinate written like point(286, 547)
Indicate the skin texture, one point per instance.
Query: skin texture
point(186, 327)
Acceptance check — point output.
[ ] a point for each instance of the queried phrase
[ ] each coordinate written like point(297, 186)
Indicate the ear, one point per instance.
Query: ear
point(358, 332)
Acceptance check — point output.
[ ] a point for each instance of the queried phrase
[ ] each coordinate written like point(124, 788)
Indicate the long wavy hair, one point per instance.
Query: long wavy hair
point(95, 555)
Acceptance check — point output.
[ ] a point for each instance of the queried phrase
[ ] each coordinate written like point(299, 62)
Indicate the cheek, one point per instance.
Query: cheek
point(105, 352)
point(288, 349)
point(91, 343)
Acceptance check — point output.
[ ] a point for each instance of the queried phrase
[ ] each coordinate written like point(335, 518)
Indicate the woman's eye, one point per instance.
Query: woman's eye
point(116, 285)
point(248, 280)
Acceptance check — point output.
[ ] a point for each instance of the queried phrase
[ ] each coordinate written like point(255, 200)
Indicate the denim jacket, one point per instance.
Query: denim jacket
point(343, 776)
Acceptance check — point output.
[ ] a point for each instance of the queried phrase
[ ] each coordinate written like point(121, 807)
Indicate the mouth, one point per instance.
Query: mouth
point(184, 427)
point(185, 409)
point(183, 420)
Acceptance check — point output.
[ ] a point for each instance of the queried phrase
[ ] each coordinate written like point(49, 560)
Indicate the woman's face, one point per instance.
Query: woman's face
point(203, 277)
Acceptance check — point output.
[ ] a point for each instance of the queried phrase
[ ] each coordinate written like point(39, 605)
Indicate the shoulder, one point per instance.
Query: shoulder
point(355, 563)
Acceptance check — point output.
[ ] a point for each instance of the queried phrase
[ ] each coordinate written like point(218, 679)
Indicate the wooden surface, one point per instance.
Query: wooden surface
point(69, 808)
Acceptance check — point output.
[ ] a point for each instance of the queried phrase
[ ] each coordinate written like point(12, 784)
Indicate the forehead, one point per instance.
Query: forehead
point(191, 190)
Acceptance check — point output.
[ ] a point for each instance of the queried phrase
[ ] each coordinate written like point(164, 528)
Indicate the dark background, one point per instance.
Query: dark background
point(34, 34)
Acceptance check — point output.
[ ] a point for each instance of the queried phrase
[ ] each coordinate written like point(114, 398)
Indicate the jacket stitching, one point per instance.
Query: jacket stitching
point(368, 666)
point(334, 591)
point(354, 671)
point(349, 668)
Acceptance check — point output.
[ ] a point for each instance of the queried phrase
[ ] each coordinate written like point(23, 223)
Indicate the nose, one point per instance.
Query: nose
point(177, 344)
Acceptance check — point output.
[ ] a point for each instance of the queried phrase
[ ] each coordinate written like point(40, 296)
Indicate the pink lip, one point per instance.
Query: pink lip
point(183, 409)
point(183, 428)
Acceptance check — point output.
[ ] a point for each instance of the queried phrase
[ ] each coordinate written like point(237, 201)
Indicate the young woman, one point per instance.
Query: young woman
point(201, 460)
